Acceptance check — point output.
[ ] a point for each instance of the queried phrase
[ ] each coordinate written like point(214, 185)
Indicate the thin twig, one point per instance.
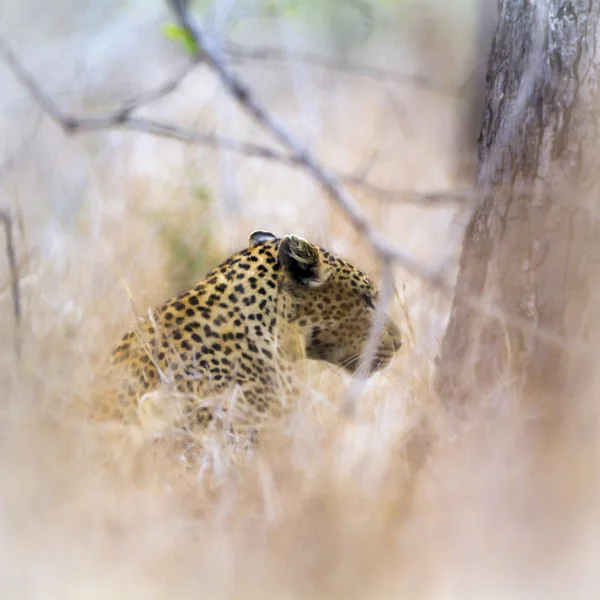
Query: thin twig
point(423, 198)
point(370, 349)
point(13, 268)
point(167, 88)
point(69, 123)
point(250, 149)
point(278, 55)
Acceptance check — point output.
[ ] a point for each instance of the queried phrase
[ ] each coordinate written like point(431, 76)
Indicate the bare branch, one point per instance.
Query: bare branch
point(173, 132)
point(423, 198)
point(249, 149)
point(13, 267)
point(31, 86)
point(121, 119)
point(111, 120)
point(168, 87)
point(328, 63)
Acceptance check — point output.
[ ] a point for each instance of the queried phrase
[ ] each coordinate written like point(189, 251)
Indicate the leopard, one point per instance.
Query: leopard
point(239, 333)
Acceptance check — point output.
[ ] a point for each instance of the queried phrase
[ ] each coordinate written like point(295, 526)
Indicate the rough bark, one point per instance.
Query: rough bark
point(486, 21)
point(528, 250)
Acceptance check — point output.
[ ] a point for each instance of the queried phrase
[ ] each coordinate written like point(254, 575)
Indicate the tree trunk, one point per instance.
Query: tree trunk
point(472, 113)
point(527, 267)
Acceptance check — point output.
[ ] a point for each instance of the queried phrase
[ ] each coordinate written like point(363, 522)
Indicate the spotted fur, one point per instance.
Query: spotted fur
point(238, 332)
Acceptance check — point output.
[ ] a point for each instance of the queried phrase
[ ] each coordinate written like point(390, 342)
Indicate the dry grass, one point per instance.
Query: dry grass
point(400, 501)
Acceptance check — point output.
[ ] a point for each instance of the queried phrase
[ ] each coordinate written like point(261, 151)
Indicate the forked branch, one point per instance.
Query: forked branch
point(123, 118)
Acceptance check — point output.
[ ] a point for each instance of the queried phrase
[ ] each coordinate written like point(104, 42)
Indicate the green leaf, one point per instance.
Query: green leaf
point(182, 36)
point(291, 10)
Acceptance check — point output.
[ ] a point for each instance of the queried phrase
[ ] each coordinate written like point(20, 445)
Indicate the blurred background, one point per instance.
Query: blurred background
point(387, 92)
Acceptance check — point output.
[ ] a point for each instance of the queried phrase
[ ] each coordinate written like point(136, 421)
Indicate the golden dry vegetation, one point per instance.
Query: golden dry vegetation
point(399, 501)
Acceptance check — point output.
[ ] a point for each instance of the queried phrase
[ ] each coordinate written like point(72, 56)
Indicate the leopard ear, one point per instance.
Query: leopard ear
point(302, 261)
point(258, 237)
